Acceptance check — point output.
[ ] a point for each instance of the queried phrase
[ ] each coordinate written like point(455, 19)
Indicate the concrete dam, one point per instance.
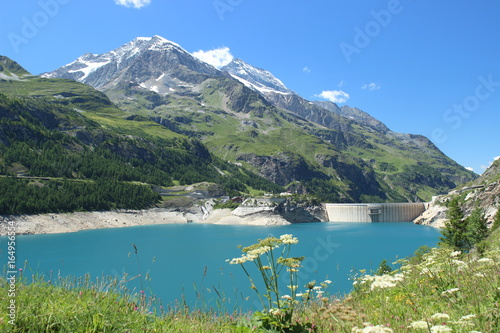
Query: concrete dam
point(375, 212)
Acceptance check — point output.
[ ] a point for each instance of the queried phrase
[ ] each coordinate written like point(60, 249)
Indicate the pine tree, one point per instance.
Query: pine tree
point(496, 221)
point(383, 268)
point(455, 229)
point(477, 226)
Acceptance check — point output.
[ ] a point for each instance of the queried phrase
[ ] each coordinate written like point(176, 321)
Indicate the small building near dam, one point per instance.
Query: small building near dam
point(375, 212)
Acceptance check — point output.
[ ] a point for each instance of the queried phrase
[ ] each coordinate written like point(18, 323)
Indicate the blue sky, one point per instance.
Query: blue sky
point(420, 66)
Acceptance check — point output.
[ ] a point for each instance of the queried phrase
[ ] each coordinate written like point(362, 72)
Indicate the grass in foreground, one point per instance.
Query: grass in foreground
point(436, 290)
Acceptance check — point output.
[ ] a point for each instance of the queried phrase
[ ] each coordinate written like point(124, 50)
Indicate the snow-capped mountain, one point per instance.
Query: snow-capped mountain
point(240, 113)
point(159, 66)
point(153, 63)
point(255, 78)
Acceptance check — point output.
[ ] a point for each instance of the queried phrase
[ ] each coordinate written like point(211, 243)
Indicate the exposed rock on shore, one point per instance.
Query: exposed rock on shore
point(483, 193)
point(252, 212)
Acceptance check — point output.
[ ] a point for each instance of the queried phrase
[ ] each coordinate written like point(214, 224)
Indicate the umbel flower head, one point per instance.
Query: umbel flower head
point(266, 245)
point(288, 239)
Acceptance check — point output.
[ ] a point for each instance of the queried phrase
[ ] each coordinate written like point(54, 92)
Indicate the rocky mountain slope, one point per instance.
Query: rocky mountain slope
point(483, 193)
point(246, 116)
point(65, 146)
point(11, 70)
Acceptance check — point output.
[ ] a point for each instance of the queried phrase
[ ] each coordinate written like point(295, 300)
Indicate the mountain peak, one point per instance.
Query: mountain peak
point(151, 63)
point(11, 70)
point(255, 78)
point(155, 42)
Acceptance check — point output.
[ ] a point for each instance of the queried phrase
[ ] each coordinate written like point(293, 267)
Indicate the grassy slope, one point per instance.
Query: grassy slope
point(80, 107)
point(229, 134)
point(94, 104)
point(258, 129)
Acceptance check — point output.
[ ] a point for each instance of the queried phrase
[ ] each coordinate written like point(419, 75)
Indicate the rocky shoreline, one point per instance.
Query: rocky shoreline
point(485, 194)
point(263, 211)
point(251, 212)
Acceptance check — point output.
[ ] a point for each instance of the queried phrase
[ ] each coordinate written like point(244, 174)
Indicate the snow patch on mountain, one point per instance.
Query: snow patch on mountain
point(89, 63)
point(256, 78)
point(259, 88)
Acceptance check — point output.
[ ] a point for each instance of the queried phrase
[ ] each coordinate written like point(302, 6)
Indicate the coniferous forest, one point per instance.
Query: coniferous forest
point(54, 159)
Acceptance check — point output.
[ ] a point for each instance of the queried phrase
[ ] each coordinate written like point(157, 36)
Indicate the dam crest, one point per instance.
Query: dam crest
point(375, 212)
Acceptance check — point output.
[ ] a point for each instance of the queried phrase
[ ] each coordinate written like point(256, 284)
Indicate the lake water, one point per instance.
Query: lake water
point(183, 258)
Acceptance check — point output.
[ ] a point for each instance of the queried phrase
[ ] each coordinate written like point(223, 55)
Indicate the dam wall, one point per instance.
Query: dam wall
point(375, 212)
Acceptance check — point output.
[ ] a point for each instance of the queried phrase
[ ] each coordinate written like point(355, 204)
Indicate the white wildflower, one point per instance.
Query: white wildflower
point(465, 320)
point(385, 281)
point(258, 251)
point(407, 267)
point(459, 262)
point(429, 261)
point(235, 261)
point(287, 297)
point(425, 271)
point(319, 292)
point(288, 239)
point(440, 316)
point(327, 281)
point(440, 329)
point(275, 312)
point(398, 277)
point(419, 324)
point(455, 253)
point(367, 278)
point(486, 260)
point(372, 329)
point(468, 317)
point(450, 291)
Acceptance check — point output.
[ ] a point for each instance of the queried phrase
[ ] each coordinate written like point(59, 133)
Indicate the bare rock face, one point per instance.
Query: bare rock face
point(302, 211)
point(486, 198)
point(434, 216)
point(282, 168)
point(483, 193)
point(288, 209)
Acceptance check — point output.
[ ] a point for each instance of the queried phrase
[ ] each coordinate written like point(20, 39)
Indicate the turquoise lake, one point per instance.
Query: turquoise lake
point(184, 258)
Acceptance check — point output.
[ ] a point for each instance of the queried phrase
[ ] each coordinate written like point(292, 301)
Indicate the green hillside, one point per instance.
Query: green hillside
point(216, 130)
point(341, 163)
point(64, 147)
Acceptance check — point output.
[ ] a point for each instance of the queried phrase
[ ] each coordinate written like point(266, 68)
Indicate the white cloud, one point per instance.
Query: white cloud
point(470, 169)
point(133, 3)
point(306, 70)
point(335, 96)
point(340, 84)
point(370, 86)
point(484, 167)
point(217, 57)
